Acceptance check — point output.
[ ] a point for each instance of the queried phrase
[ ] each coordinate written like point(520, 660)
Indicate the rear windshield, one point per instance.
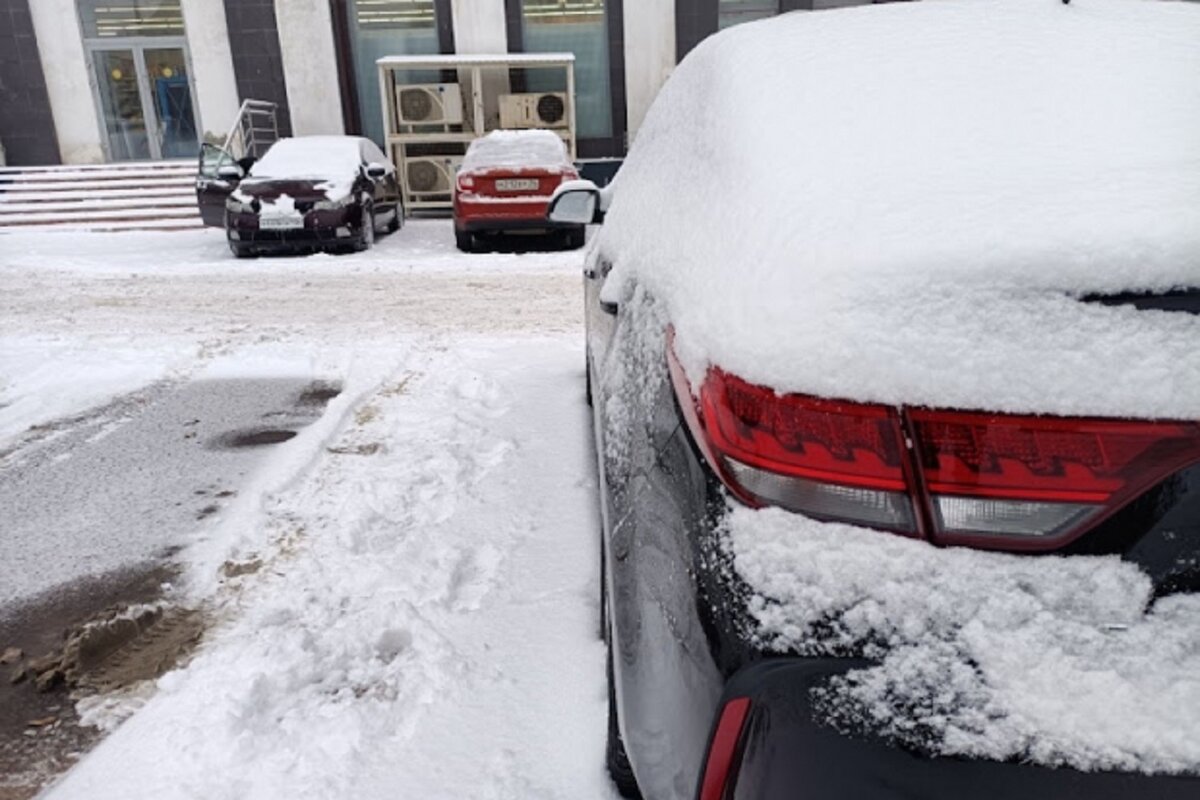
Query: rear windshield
point(309, 157)
point(516, 149)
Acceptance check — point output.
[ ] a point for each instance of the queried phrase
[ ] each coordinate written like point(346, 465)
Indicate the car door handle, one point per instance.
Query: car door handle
point(608, 308)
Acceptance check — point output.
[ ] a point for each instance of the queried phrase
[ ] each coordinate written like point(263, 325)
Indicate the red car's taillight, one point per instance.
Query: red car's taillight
point(1018, 482)
point(719, 768)
point(466, 182)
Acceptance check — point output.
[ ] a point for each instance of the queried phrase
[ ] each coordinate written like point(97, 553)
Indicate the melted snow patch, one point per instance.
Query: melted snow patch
point(1050, 659)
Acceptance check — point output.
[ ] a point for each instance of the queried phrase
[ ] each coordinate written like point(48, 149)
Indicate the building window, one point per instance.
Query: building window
point(579, 27)
point(389, 28)
point(104, 19)
point(732, 12)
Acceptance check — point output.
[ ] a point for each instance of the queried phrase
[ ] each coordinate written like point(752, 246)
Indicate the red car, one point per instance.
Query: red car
point(504, 186)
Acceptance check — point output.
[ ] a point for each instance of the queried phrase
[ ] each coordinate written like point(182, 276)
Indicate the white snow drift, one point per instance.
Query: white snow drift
point(1055, 660)
point(901, 203)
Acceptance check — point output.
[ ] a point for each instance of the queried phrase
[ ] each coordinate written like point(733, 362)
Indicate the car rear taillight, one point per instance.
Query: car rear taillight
point(991, 480)
point(465, 182)
point(722, 751)
point(1010, 475)
point(826, 458)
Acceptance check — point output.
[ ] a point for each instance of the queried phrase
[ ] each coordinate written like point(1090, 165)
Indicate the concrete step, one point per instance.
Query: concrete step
point(157, 195)
point(68, 195)
point(26, 187)
point(107, 226)
point(100, 215)
point(121, 167)
point(84, 203)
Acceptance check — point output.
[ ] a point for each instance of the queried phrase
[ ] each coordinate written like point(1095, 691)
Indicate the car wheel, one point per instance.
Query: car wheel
point(239, 250)
point(397, 219)
point(465, 241)
point(615, 757)
point(575, 238)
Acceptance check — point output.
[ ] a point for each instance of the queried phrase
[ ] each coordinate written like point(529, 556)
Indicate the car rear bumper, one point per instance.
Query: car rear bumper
point(500, 214)
point(785, 751)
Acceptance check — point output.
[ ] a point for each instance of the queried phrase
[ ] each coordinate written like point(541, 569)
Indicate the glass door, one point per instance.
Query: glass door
point(146, 103)
point(174, 126)
point(121, 105)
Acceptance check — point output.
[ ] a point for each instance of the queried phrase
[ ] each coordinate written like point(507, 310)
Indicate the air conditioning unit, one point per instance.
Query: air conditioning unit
point(534, 110)
point(431, 174)
point(429, 104)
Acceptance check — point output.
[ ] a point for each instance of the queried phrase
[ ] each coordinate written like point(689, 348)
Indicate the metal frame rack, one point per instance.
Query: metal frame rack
point(433, 148)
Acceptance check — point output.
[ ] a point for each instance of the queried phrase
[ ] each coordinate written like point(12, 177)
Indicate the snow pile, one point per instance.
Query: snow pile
point(1054, 660)
point(397, 623)
point(532, 149)
point(331, 157)
point(901, 203)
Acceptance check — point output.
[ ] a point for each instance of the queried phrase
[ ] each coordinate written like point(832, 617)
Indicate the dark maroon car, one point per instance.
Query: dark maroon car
point(305, 194)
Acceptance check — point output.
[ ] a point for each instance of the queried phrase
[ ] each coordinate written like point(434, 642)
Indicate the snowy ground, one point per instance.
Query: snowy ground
point(412, 606)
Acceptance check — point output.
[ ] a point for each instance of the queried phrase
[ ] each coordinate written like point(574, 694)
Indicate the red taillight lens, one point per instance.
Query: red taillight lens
point(829, 459)
point(719, 768)
point(823, 440)
point(466, 183)
point(1020, 482)
point(1040, 476)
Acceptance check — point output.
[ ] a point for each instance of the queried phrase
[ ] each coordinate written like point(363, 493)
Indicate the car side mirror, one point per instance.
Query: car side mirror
point(576, 203)
point(375, 171)
point(230, 172)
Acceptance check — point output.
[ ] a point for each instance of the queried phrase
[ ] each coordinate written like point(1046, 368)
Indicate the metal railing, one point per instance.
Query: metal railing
point(255, 129)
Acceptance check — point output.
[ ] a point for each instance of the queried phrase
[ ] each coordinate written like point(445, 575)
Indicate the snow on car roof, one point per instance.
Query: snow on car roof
point(988, 655)
point(310, 156)
point(902, 203)
point(532, 148)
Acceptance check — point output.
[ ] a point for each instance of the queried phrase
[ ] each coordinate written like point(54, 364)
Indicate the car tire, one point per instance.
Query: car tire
point(239, 250)
point(397, 220)
point(575, 238)
point(465, 241)
point(615, 757)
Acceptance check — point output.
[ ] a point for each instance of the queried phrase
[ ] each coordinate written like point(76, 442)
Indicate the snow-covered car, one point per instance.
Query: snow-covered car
point(893, 350)
point(306, 193)
point(505, 183)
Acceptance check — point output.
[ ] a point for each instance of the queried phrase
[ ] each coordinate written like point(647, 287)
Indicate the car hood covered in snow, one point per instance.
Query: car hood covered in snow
point(906, 204)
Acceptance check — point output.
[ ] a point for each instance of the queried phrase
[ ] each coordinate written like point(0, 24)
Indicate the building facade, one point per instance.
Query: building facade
point(93, 81)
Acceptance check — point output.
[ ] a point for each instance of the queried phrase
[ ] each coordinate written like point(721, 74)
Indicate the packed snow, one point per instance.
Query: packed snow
point(912, 214)
point(532, 149)
point(1049, 659)
point(332, 157)
point(403, 596)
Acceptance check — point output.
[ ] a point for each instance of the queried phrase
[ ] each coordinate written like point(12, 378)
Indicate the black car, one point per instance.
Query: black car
point(306, 193)
point(718, 688)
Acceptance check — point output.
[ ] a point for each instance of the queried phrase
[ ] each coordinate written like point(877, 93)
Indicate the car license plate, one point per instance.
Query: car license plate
point(516, 185)
point(280, 223)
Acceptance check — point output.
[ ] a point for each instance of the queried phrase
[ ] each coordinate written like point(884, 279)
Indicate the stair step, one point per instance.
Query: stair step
point(146, 195)
point(108, 226)
point(96, 175)
point(96, 204)
point(8, 220)
point(65, 196)
point(115, 183)
point(124, 166)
